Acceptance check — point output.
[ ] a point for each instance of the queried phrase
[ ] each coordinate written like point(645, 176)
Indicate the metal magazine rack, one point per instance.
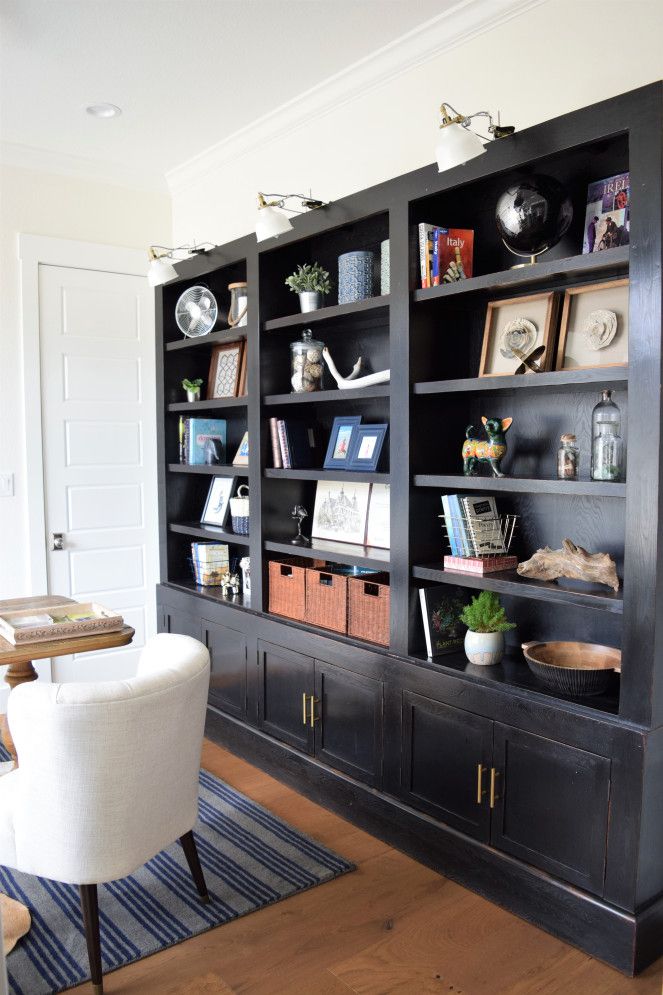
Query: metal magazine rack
point(479, 545)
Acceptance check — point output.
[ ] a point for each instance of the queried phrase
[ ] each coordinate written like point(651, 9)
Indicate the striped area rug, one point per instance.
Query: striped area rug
point(250, 859)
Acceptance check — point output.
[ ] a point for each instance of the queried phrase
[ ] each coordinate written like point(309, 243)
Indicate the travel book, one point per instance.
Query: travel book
point(441, 607)
point(202, 441)
point(293, 444)
point(445, 254)
point(472, 525)
point(607, 218)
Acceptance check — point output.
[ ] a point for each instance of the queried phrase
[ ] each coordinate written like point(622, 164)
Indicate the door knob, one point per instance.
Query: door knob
point(57, 540)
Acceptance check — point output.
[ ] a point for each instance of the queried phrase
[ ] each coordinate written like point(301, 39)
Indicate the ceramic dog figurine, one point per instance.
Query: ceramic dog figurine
point(491, 450)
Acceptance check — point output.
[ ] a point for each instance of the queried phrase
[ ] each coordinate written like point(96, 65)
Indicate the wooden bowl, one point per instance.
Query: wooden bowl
point(573, 668)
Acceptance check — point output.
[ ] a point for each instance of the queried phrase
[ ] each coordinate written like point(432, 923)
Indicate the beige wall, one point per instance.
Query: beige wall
point(552, 59)
point(38, 203)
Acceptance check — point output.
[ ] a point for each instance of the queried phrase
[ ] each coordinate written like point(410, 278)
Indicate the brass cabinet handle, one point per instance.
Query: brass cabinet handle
point(304, 696)
point(480, 788)
point(314, 717)
point(494, 774)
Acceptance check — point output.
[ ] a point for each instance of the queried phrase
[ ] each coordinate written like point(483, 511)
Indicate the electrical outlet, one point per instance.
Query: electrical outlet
point(6, 484)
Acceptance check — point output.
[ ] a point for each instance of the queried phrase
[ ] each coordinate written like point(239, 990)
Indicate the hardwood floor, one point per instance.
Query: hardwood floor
point(393, 926)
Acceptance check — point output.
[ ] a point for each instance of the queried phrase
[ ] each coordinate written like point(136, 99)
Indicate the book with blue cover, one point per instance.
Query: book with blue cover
point(205, 441)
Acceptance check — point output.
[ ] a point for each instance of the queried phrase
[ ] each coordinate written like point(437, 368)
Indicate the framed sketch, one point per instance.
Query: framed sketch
point(218, 501)
point(224, 370)
point(519, 328)
point(340, 438)
point(340, 512)
point(242, 454)
point(594, 326)
point(377, 527)
point(366, 446)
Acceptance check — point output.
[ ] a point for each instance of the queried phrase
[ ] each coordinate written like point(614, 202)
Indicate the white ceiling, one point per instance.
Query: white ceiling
point(186, 73)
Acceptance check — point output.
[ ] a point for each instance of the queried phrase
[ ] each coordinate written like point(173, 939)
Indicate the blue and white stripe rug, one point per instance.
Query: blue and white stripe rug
point(250, 859)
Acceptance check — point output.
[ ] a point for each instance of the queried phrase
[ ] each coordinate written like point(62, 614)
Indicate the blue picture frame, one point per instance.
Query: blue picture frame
point(365, 454)
point(340, 440)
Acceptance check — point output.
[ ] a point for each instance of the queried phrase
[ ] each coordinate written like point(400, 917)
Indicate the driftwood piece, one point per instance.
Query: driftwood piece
point(571, 561)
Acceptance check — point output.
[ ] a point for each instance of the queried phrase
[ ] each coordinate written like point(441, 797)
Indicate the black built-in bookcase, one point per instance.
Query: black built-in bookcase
point(425, 715)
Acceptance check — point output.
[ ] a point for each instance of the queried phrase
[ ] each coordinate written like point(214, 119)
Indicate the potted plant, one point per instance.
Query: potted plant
point(192, 388)
point(486, 623)
point(310, 281)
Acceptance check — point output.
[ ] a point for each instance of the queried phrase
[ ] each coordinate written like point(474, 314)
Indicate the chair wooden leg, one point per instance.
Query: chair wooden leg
point(191, 853)
point(90, 907)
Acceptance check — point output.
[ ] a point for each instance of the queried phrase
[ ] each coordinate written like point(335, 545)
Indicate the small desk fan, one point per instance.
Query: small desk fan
point(196, 312)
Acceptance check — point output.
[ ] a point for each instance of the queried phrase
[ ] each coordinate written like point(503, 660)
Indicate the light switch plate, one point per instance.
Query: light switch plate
point(6, 484)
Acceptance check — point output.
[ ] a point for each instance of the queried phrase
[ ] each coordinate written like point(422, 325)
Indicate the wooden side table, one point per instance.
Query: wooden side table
point(19, 658)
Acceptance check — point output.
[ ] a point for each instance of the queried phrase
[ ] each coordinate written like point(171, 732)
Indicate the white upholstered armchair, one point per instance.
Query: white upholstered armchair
point(108, 774)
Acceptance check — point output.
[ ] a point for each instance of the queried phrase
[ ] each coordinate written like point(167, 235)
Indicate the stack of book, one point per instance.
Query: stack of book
point(211, 563)
point(293, 444)
point(202, 440)
point(476, 534)
point(445, 254)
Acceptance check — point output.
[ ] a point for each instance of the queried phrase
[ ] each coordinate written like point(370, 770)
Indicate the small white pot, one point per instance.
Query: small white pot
point(193, 395)
point(484, 649)
point(309, 300)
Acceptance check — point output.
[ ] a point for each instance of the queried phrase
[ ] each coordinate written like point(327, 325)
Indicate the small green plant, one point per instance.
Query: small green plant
point(309, 277)
point(192, 384)
point(485, 614)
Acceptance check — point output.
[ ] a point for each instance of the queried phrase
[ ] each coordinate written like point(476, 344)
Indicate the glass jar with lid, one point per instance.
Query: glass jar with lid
point(607, 442)
point(307, 364)
point(568, 458)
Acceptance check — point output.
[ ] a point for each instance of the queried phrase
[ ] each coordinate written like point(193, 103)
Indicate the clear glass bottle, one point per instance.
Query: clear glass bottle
point(607, 442)
point(568, 458)
point(307, 363)
point(237, 313)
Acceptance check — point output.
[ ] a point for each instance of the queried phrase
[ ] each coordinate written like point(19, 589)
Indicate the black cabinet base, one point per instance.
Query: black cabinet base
point(625, 941)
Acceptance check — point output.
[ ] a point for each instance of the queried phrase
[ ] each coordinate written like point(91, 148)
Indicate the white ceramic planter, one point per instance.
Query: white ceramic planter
point(309, 300)
point(484, 649)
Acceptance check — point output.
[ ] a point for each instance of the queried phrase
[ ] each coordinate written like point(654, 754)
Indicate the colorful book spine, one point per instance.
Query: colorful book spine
point(182, 447)
point(425, 252)
point(436, 258)
point(458, 515)
point(276, 446)
point(451, 527)
point(283, 442)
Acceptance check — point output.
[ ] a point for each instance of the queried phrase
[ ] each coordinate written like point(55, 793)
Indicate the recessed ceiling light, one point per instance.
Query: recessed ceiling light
point(103, 110)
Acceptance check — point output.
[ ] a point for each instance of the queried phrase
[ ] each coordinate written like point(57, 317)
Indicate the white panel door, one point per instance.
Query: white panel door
point(99, 452)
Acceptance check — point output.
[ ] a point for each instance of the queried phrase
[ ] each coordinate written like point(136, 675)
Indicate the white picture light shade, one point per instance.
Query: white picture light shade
point(160, 271)
point(456, 145)
point(271, 222)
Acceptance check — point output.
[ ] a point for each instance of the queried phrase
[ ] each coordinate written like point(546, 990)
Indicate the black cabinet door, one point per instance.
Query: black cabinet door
point(552, 806)
point(228, 658)
point(445, 763)
point(286, 688)
point(173, 620)
point(348, 727)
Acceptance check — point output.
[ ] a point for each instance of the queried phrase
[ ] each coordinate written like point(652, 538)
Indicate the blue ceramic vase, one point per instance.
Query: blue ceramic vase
point(355, 276)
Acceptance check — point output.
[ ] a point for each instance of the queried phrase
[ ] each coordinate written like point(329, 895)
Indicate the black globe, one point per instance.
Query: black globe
point(533, 215)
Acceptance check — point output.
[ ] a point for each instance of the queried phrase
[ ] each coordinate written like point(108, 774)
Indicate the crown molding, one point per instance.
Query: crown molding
point(459, 24)
point(80, 167)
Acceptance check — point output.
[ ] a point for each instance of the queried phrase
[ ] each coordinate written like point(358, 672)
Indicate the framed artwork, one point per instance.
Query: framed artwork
point(218, 501)
point(242, 454)
point(241, 387)
point(518, 328)
point(594, 326)
point(377, 527)
point(340, 512)
point(366, 446)
point(338, 449)
point(224, 370)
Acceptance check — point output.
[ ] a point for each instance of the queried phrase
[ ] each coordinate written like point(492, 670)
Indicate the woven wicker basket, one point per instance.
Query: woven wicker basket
point(327, 599)
point(368, 608)
point(287, 586)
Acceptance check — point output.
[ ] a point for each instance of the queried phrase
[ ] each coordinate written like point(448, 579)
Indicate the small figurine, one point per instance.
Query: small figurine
point(299, 513)
point(491, 450)
point(231, 586)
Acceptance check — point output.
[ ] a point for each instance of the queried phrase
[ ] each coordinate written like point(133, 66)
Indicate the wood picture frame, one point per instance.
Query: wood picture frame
point(579, 303)
point(241, 387)
point(539, 309)
point(225, 370)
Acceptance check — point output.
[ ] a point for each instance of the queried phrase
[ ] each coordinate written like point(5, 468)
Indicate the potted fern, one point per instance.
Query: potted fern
point(192, 388)
point(486, 623)
point(310, 281)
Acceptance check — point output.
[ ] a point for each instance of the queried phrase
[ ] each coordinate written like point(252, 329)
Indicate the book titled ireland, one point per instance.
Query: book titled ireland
point(607, 219)
point(441, 607)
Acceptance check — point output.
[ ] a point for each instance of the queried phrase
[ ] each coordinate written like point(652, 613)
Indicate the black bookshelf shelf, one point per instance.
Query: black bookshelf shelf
point(210, 471)
point(561, 381)
point(509, 582)
point(322, 396)
point(521, 485)
point(217, 404)
point(575, 268)
point(210, 593)
point(337, 552)
point(331, 313)
point(214, 338)
point(199, 531)
point(340, 475)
